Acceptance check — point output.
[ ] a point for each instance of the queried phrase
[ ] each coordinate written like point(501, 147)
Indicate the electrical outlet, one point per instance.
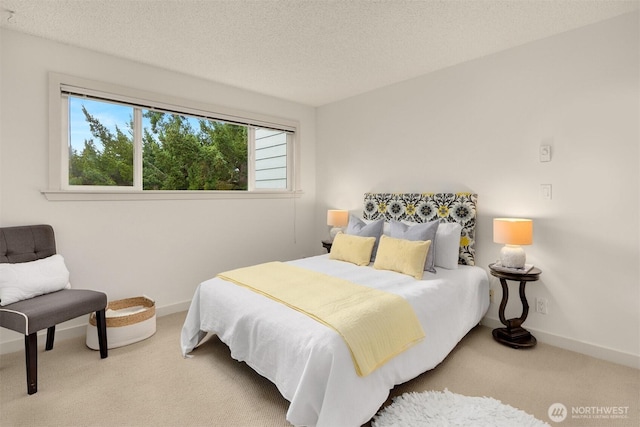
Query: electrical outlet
point(541, 305)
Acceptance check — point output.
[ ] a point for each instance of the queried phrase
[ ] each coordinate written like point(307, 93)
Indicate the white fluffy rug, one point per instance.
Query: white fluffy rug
point(435, 408)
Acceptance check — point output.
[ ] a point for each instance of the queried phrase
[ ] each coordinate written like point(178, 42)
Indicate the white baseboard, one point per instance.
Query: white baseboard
point(173, 308)
point(588, 349)
point(73, 331)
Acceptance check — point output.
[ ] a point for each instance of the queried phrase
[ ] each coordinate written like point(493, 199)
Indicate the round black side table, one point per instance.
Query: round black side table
point(514, 335)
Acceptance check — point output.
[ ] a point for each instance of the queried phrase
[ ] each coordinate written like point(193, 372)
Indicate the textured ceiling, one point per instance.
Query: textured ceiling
point(311, 52)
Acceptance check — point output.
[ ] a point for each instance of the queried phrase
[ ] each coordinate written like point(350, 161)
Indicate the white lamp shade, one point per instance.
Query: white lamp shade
point(337, 217)
point(513, 231)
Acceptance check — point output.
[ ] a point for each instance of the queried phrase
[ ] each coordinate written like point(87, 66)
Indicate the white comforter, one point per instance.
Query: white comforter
point(310, 363)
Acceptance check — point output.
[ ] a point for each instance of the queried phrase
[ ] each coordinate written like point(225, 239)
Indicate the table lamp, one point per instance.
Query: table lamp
point(513, 232)
point(337, 219)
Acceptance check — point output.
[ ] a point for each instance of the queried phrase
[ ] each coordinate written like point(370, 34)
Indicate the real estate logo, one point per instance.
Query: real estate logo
point(557, 412)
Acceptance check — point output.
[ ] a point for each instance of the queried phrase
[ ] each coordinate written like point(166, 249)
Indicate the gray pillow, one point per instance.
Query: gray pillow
point(358, 227)
point(426, 231)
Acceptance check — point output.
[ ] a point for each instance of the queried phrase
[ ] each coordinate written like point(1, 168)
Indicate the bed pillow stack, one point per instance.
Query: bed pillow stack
point(442, 251)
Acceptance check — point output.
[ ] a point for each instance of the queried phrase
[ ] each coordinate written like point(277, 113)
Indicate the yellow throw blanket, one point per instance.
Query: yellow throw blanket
point(376, 325)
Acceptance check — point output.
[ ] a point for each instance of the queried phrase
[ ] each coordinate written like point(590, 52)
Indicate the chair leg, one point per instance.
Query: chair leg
point(51, 334)
point(31, 356)
point(101, 325)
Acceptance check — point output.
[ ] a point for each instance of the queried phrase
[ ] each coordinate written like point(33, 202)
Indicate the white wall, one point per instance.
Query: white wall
point(478, 127)
point(473, 127)
point(163, 249)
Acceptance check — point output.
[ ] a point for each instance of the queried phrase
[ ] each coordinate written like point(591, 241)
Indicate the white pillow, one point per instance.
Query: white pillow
point(24, 280)
point(448, 244)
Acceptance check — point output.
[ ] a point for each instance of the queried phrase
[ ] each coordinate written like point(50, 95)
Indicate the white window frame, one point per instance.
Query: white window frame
point(59, 188)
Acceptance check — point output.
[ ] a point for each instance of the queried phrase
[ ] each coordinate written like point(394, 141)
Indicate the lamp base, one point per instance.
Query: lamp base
point(512, 256)
point(333, 232)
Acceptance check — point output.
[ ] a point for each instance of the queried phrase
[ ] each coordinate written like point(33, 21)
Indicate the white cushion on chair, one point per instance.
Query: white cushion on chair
point(26, 280)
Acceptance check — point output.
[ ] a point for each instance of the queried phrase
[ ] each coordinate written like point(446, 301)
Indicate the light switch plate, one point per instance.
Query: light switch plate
point(545, 153)
point(545, 191)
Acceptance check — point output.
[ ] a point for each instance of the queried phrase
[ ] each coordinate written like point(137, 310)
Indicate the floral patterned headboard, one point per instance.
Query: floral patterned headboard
point(425, 207)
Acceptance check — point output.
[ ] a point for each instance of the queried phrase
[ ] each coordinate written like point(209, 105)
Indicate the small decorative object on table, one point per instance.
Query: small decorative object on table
point(524, 270)
point(514, 335)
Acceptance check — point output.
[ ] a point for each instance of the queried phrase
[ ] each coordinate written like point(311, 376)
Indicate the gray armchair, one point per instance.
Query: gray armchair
point(30, 243)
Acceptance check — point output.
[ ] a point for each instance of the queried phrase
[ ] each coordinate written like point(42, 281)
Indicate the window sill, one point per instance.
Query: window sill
point(82, 195)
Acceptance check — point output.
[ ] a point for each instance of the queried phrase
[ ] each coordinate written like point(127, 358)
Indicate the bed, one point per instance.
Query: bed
point(309, 362)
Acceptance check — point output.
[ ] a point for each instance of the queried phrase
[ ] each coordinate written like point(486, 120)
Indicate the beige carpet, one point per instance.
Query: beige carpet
point(150, 384)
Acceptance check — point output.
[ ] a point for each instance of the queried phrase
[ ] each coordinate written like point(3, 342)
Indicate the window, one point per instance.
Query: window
point(271, 159)
point(118, 140)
